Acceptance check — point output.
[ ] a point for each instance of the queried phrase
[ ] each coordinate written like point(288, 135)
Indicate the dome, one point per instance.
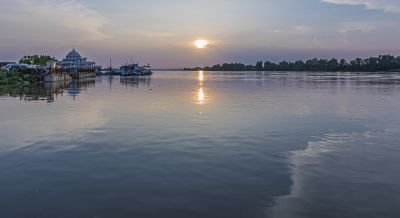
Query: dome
point(73, 53)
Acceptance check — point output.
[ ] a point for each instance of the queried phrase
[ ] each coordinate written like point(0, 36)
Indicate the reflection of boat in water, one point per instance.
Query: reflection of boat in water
point(135, 81)
point(135, 70)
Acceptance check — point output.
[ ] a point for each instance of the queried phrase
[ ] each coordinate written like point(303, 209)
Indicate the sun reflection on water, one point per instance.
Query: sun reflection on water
point(201, 76)
point(201, 94)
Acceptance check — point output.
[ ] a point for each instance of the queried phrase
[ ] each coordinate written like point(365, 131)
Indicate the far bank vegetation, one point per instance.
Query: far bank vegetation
point(373, 64)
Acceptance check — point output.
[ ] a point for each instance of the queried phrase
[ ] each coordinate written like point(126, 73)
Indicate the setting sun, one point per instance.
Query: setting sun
point(201, 43)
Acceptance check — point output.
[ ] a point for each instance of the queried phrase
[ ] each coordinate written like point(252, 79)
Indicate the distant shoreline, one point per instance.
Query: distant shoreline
point(382, 63)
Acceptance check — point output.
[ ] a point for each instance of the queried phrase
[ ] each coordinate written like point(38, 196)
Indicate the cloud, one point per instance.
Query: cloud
point(364, 26)
point(60, 20)
point(294, 29)
point(302, 29)
point(392, 6)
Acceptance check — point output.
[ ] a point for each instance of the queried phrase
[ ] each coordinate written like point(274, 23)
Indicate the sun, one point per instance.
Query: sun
point(201, 43)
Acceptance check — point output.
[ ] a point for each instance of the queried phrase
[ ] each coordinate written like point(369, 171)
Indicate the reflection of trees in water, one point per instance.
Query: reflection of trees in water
point(46, 92)
point(334, 81)
point(136, 81)
point(27, 93)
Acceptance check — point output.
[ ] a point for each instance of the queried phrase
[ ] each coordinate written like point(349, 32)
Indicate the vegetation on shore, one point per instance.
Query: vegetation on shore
point(372, 64)
point(25, 76)
point(11, 77)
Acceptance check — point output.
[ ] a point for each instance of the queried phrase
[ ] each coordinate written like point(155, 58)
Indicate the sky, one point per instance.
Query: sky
point(162, 32)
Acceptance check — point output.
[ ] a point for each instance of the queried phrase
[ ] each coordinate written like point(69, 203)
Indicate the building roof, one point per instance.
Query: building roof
point(2, 64)
point(73, 53)
point(74, 59)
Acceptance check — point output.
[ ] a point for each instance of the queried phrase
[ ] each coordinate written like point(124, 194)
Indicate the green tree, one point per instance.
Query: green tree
point(40, 60)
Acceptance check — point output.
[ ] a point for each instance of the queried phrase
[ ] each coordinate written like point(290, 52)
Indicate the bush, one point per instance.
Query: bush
point(14, 77)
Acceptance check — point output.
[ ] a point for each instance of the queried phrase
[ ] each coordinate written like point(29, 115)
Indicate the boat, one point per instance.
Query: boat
point(135, 70)
point(110, 71)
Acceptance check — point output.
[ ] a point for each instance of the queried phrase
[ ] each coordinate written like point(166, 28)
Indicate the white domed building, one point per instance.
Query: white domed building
point(75, 60)
point(72, 67)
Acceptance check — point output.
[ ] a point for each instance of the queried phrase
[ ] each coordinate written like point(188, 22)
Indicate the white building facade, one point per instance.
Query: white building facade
point(75, 60)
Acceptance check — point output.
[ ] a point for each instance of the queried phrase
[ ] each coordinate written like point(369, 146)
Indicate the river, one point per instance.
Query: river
point(203, 144)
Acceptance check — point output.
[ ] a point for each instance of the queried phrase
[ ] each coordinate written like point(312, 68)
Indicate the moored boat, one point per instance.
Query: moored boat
point(135, 70)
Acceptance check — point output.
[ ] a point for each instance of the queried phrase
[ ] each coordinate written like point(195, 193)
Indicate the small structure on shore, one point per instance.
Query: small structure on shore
point(72, 67)
point(3, 64)
point(15, 66)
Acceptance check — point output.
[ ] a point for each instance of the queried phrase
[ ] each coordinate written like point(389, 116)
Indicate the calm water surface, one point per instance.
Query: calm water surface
point(193, 144)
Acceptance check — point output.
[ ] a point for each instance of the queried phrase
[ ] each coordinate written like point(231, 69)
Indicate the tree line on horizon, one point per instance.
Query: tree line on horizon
point(372, 64)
